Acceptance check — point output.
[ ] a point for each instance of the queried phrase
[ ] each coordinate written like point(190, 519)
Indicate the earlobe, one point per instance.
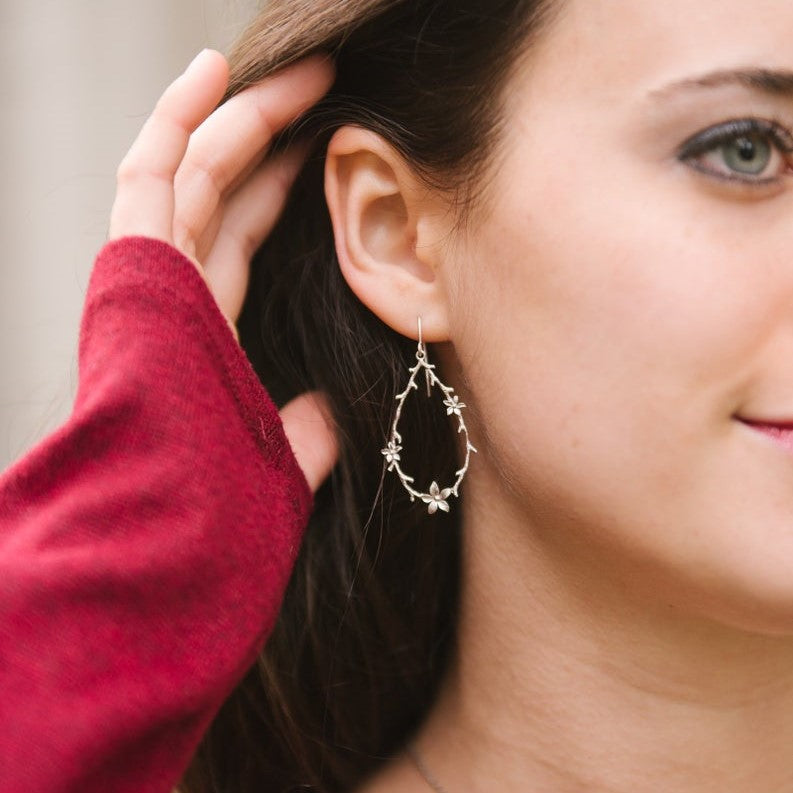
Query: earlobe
point(383, 224)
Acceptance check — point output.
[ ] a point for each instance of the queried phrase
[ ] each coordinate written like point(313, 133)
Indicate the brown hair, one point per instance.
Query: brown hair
point(367, 625)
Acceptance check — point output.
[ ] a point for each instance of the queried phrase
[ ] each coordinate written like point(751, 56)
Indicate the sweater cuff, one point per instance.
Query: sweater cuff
point(155, 266)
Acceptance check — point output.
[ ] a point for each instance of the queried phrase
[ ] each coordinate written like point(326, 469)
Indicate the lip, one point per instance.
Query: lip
point(779, 431)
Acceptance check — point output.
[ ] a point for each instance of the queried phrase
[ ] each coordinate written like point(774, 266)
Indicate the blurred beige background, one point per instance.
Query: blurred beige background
point(79, 79)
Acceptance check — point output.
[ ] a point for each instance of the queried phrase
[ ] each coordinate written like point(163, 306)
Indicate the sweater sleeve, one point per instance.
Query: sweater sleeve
point(146, 544)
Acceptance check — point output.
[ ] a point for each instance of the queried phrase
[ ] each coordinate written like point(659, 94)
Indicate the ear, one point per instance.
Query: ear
point(389, 230)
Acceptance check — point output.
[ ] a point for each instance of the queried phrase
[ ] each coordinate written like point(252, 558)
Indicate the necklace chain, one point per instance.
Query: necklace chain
point(413, 753)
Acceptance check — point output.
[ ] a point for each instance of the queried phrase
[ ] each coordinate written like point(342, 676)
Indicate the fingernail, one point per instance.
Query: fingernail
point(197, 58)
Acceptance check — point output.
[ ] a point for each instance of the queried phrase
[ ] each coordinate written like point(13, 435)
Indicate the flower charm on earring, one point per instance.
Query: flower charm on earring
point(437, 497)
point(391, 453)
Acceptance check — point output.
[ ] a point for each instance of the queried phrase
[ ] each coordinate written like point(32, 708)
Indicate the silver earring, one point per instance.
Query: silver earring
point(437, 496)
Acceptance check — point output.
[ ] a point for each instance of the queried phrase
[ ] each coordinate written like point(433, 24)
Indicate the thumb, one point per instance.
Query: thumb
point(311, 433)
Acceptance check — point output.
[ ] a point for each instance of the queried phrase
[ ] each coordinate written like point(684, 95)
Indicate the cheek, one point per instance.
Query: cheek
point(605, 362)
point(606, 311)
point(598, 332)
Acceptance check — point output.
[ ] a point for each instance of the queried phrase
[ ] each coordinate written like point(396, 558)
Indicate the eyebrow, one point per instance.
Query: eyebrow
point(767, 81)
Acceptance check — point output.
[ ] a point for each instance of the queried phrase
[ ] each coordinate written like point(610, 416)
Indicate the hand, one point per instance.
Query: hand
point(194, 178)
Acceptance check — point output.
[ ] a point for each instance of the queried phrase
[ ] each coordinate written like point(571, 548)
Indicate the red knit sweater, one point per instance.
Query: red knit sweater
point(146, 544)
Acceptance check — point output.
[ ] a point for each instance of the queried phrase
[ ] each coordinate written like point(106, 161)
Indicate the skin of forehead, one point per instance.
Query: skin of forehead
point(614, 48)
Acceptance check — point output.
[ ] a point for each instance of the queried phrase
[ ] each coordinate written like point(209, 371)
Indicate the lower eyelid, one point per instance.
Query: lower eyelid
point(735, 184)
point(728, 178)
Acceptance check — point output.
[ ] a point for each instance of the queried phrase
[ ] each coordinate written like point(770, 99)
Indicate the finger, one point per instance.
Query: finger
point(249, 217)
point(144, 202)
point(310, 430)
point(235, 137)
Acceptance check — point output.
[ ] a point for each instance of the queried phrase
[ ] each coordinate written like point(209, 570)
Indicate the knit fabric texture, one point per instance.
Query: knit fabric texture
point(146, 544)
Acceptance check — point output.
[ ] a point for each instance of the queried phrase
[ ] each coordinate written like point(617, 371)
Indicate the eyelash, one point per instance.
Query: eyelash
point(772, 130)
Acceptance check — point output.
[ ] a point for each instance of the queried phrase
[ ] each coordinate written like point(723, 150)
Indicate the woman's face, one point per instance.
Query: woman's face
point(627, 308)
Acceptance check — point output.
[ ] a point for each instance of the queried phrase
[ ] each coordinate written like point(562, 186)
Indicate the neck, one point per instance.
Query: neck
point(573, 673)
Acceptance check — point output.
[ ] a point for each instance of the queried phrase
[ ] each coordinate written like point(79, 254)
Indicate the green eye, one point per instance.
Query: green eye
point(749, 155)
point(741, 150)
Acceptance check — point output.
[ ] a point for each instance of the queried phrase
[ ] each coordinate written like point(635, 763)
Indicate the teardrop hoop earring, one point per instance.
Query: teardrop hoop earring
point(436, 498)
